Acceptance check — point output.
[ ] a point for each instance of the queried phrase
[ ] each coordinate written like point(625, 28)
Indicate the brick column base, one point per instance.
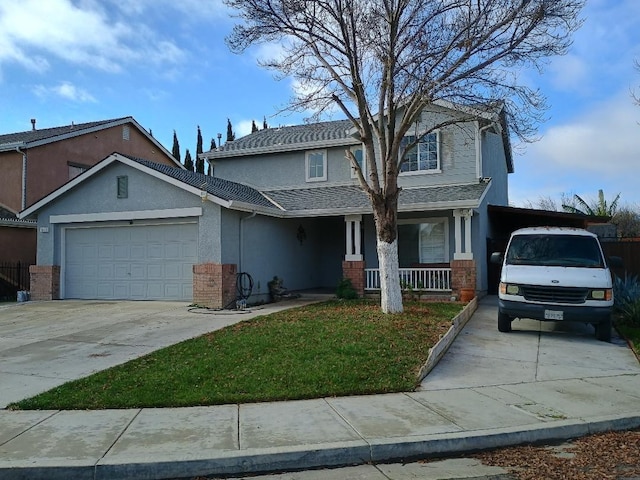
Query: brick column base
point(45, 282)
point(463, 275)
point(354, 271)
point(214, 284)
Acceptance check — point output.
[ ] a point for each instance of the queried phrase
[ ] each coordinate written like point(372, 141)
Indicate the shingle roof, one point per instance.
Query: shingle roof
point(4, 213)
point(352, 197)
point(46, 133)
point(287, 138)
point(224, 189)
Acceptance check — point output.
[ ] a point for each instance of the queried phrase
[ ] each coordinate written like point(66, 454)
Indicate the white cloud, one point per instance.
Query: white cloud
point(599, 149)
point(33, 32)
point(242, 128)
point(67, 91)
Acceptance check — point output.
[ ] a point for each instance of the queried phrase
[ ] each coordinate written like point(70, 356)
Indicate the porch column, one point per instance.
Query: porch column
point(458, 216)
point(353, 251)
point(214, 285)
point(353, 264)
point(45, 282)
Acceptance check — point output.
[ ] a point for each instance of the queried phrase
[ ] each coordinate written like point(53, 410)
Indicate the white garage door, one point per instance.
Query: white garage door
point(145, 262)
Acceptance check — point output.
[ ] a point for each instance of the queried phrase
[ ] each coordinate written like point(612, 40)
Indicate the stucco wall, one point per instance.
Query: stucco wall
point(98, 194)
point(272, 247)
point(47, 165)
point(285, 170)
point(17, 244)
point(11, 180)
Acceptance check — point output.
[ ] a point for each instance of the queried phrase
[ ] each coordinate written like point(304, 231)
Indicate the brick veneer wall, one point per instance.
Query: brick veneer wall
point(45, 282)
point(354, 271)
point(463, 275)
point(214, 284)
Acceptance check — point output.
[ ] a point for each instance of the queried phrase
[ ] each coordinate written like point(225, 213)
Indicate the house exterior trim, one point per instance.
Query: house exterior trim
point(127, 215)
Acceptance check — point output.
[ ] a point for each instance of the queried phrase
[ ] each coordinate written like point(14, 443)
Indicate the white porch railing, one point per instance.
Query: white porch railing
point(417, 279)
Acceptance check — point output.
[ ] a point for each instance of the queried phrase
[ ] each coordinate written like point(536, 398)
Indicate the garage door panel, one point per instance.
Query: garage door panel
point(131, 262)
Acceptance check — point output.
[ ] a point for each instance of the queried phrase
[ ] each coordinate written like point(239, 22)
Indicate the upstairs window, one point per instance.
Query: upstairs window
point(424, 156)
point(76, 169)
point(358, 152)
point(316, 166)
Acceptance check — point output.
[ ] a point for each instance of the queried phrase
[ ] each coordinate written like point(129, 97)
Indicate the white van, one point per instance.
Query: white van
point(556, 274)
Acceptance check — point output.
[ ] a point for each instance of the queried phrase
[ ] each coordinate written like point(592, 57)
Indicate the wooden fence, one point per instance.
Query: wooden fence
point(14, 276)
point(629, 251)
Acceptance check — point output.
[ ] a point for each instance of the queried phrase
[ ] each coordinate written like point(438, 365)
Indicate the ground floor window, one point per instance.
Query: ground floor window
point(423, 241)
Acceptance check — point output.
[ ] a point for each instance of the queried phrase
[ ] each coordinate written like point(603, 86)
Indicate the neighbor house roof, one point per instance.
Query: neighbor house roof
point(8, 218)
point(42, 136)
point(301, 202)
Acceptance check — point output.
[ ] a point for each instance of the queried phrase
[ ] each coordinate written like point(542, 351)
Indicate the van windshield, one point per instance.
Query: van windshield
point(555, 250)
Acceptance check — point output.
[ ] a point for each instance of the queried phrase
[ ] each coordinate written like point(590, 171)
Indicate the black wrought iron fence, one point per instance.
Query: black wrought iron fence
point(14, 277)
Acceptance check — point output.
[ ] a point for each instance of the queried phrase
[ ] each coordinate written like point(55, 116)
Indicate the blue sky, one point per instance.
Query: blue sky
point(165, 63)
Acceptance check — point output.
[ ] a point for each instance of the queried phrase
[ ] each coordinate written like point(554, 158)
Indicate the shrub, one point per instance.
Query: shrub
point(626, 292)
point(345, 290)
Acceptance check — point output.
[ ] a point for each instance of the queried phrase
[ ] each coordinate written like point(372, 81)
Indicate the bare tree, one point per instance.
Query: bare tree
point(382, 62)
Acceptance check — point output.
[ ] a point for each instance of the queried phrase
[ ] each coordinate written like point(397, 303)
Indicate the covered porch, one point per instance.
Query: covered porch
point(427, 263)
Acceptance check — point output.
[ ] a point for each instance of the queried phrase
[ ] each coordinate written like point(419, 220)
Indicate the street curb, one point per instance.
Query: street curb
point(439, 349)
point(262, 461)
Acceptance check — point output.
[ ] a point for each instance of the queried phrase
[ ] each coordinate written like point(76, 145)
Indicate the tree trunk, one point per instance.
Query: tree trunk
point(390, 292)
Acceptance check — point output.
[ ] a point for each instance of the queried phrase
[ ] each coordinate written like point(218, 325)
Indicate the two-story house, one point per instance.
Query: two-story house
point(283, 202)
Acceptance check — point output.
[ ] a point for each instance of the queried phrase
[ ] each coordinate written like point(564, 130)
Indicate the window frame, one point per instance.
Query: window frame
point(122, 186)
point(307, 165)
point(363, 165)
point(430, 171)
point(420, 221)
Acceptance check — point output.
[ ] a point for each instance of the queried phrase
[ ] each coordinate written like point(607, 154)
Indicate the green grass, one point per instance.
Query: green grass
point(328, 349)
point(633, 334)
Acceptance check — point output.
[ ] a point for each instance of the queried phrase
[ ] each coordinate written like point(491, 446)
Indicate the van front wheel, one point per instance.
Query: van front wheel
point(603, 331)
point(504, 322)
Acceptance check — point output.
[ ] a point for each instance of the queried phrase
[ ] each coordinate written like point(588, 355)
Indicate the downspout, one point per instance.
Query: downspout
point(242, 220)
point(23, 201)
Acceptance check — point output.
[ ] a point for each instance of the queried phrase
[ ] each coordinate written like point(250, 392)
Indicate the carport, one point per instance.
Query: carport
point(504, 220)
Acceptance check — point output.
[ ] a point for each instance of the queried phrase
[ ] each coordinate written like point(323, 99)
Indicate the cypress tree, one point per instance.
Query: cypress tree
point(199, 161)
point(213, 144)
point(264, 123)
point(175, 151)
point(188, 162)
point(254, 127)
point(230, 135)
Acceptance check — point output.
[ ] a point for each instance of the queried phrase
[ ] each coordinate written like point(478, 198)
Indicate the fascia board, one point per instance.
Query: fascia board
point(8, 147)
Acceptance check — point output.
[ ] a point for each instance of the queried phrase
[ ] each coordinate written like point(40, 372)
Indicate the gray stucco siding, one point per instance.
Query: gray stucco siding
point(272, 247)
point(98, 194)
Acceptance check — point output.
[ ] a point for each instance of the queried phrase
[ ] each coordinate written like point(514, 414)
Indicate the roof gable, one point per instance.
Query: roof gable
point(223, 192)
point(37, 137)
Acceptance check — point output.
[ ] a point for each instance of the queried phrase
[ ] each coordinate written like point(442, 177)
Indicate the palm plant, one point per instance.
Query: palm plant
point(600, 208)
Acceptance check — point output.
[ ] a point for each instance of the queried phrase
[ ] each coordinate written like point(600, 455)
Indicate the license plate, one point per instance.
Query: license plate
point(553, 315)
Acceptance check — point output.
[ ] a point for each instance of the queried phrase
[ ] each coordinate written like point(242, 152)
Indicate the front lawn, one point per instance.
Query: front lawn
point(329, 349)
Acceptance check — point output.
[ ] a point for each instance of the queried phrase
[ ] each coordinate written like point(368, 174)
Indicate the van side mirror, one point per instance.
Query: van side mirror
point(615, 262)
point(497, 257)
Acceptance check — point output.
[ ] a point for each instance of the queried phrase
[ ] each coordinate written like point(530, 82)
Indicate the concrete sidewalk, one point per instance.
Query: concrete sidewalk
point(489, 390)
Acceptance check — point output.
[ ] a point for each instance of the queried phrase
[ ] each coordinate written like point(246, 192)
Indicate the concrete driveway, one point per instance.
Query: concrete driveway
point(533, 352)
point(46, 344)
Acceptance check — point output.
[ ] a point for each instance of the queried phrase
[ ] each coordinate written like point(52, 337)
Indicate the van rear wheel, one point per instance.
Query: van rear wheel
point(504, 322)
point(603, 331)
